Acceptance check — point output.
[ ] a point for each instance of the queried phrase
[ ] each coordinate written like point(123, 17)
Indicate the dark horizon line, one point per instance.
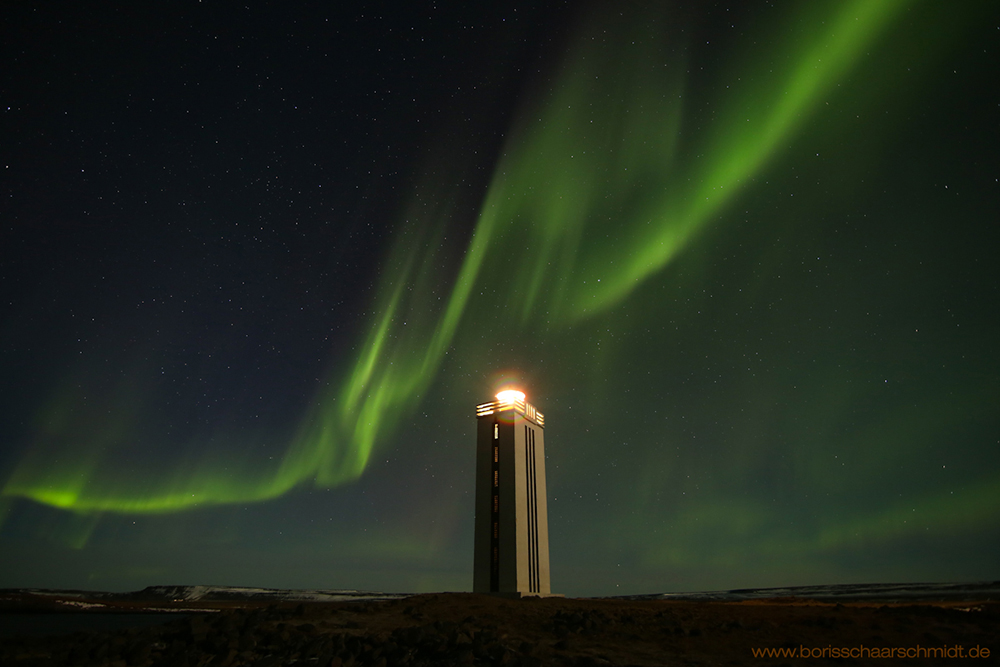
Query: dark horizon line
point(857, 591)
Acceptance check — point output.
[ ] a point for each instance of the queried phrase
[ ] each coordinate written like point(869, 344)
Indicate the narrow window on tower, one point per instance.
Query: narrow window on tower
point(496, 431)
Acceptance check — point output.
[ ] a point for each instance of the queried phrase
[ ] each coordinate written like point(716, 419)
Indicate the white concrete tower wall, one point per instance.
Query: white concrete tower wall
point(511, 530)
point(532, 526)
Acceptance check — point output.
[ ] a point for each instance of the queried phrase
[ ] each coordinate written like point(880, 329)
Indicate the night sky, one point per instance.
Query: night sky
point(258, 264)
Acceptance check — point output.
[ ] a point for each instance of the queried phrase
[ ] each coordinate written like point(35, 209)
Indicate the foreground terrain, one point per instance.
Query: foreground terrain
point(470, 629)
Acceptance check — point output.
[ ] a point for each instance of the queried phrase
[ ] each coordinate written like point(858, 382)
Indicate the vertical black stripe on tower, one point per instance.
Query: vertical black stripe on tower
point(495, 513)
point(531, 482)
point(534, 516)
point(527, 485)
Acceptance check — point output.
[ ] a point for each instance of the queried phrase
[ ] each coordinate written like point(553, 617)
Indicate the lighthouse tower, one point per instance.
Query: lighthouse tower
point(512, 527)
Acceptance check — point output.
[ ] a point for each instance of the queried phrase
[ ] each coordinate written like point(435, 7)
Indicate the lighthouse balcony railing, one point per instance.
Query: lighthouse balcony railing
point(523, 407)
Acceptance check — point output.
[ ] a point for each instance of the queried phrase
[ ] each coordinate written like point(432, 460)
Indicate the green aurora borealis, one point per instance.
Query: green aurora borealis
point(751, 286)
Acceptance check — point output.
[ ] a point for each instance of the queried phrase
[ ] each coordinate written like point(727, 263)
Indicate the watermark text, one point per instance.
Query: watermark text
point(918, 651)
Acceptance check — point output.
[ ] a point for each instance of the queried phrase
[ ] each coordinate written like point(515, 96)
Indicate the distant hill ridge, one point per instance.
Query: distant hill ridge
point(898, 592)
point(983, 590)
point(194, 593)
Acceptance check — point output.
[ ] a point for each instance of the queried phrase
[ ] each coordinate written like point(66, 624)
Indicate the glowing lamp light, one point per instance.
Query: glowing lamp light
point(511, 399)
point(510, 396)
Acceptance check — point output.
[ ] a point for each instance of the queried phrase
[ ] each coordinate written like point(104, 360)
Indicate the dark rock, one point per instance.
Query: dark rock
point(100, 652)
point(465, 657)
point(198, 627)
point(316, 647)
point(246, 642)
point(117, 645)
point(224, 660)
point(444, 626)
point(138, 653)
point(77, 655)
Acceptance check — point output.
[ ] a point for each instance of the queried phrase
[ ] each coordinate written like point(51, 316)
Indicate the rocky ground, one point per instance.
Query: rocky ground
point(469, 629)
